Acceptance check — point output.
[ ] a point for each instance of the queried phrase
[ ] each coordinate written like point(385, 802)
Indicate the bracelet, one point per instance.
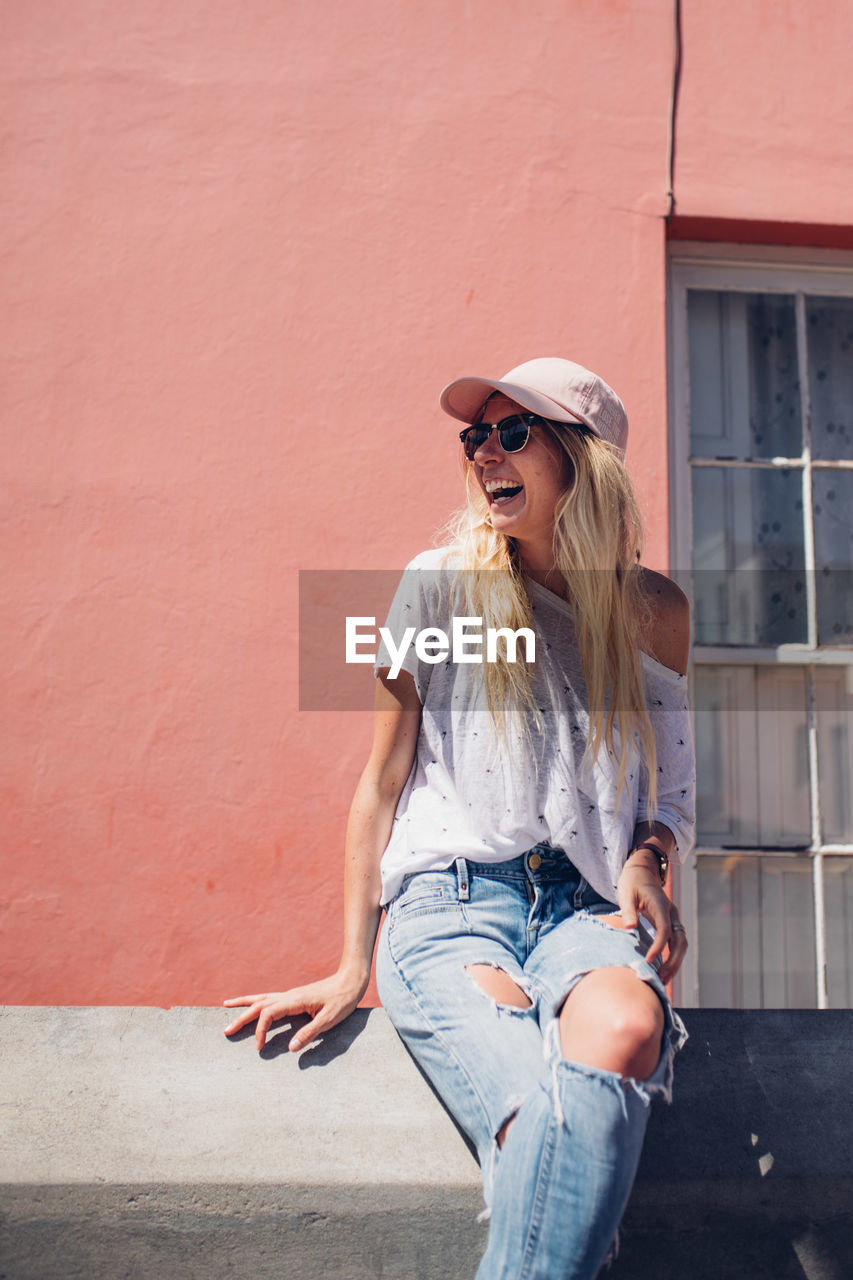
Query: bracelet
point(663, 858)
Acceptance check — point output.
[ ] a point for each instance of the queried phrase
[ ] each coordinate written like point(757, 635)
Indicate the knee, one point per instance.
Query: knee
point(613, 1020)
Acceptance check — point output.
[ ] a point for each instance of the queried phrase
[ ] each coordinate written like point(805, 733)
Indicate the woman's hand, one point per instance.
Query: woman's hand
point(640, 892)
point(327, 1002)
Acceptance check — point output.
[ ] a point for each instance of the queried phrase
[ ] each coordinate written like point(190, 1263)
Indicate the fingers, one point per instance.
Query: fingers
point(650, 901)
point(309, 1032)
point(244, 1018)
point(629, 905)
point(662, 936)
point(677, 947)
point(629, 911)
point(658, 909)
point(326, 1002)
point(242, 1021)
point(325, 1012)
point(267, 1008)
point(640, 894)
point(266, 1018)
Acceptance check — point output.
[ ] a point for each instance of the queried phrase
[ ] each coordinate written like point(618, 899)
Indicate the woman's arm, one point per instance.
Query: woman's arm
point(329, 1001)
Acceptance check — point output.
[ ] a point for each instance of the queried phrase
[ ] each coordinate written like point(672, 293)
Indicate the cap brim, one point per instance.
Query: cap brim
point(464, 398)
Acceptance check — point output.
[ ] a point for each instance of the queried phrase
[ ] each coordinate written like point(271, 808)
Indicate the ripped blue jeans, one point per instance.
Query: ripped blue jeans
point(558, 1186)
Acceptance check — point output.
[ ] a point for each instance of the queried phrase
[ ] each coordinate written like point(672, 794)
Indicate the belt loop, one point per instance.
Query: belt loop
point(462, 877)
point(583, 885)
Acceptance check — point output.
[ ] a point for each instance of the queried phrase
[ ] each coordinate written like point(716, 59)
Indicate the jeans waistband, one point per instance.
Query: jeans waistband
point(542, 862)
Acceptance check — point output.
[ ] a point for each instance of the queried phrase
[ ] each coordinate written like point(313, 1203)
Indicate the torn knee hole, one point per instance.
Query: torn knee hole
point(503, 1132)
point(513, 1105)
point(497, 983)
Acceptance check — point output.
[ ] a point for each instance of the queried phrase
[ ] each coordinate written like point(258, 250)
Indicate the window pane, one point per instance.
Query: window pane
point(744, 380)
point(833, 531)
point(838, 890)
point(829, 326)
point(756, 933)
point(834, 706)
point(751, 757)
point(748, 557)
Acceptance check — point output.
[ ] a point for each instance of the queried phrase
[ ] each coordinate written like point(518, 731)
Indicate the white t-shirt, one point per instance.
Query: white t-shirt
point(468, 797)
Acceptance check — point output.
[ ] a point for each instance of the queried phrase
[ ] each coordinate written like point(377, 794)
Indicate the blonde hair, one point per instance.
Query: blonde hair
point(597, 541)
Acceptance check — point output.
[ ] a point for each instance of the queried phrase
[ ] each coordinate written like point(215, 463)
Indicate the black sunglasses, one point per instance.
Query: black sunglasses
point(513, 433)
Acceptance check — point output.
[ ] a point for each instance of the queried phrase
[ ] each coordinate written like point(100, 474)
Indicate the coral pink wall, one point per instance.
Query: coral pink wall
point(245, 247)
point(764, 111)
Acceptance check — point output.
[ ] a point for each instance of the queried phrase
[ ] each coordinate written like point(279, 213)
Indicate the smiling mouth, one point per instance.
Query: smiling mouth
point(503, 493)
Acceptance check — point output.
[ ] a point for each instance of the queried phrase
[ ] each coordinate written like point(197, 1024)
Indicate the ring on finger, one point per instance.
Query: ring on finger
point(677, 927)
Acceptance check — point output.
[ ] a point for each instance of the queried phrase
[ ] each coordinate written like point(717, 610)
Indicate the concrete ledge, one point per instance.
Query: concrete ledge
point(142, 1143)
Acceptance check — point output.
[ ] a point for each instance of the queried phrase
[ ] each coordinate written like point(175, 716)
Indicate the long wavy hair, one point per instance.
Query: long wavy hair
point(597, 543)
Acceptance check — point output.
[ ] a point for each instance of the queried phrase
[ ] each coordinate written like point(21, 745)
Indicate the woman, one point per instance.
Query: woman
point(516, 819)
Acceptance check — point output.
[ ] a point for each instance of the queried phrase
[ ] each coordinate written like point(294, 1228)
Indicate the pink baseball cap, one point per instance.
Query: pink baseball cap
point(557, 389)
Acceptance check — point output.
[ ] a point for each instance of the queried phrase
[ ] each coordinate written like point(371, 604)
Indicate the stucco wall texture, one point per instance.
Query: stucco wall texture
point(245, 246)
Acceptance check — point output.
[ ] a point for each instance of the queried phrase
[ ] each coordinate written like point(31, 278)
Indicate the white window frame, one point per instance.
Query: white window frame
point(760, 269)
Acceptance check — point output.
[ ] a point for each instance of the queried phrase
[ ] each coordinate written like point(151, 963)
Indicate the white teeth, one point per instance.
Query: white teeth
point(491, 485)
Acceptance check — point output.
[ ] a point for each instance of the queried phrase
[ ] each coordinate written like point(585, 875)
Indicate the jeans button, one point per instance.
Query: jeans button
point(534, 862)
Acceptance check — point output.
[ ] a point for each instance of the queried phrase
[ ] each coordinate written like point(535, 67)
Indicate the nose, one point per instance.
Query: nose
point(490, 448)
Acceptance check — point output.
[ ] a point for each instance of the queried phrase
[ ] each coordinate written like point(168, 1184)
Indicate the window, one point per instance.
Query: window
point(761, 381)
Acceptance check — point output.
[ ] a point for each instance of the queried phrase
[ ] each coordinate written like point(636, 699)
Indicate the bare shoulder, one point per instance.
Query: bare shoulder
point(667, 637)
